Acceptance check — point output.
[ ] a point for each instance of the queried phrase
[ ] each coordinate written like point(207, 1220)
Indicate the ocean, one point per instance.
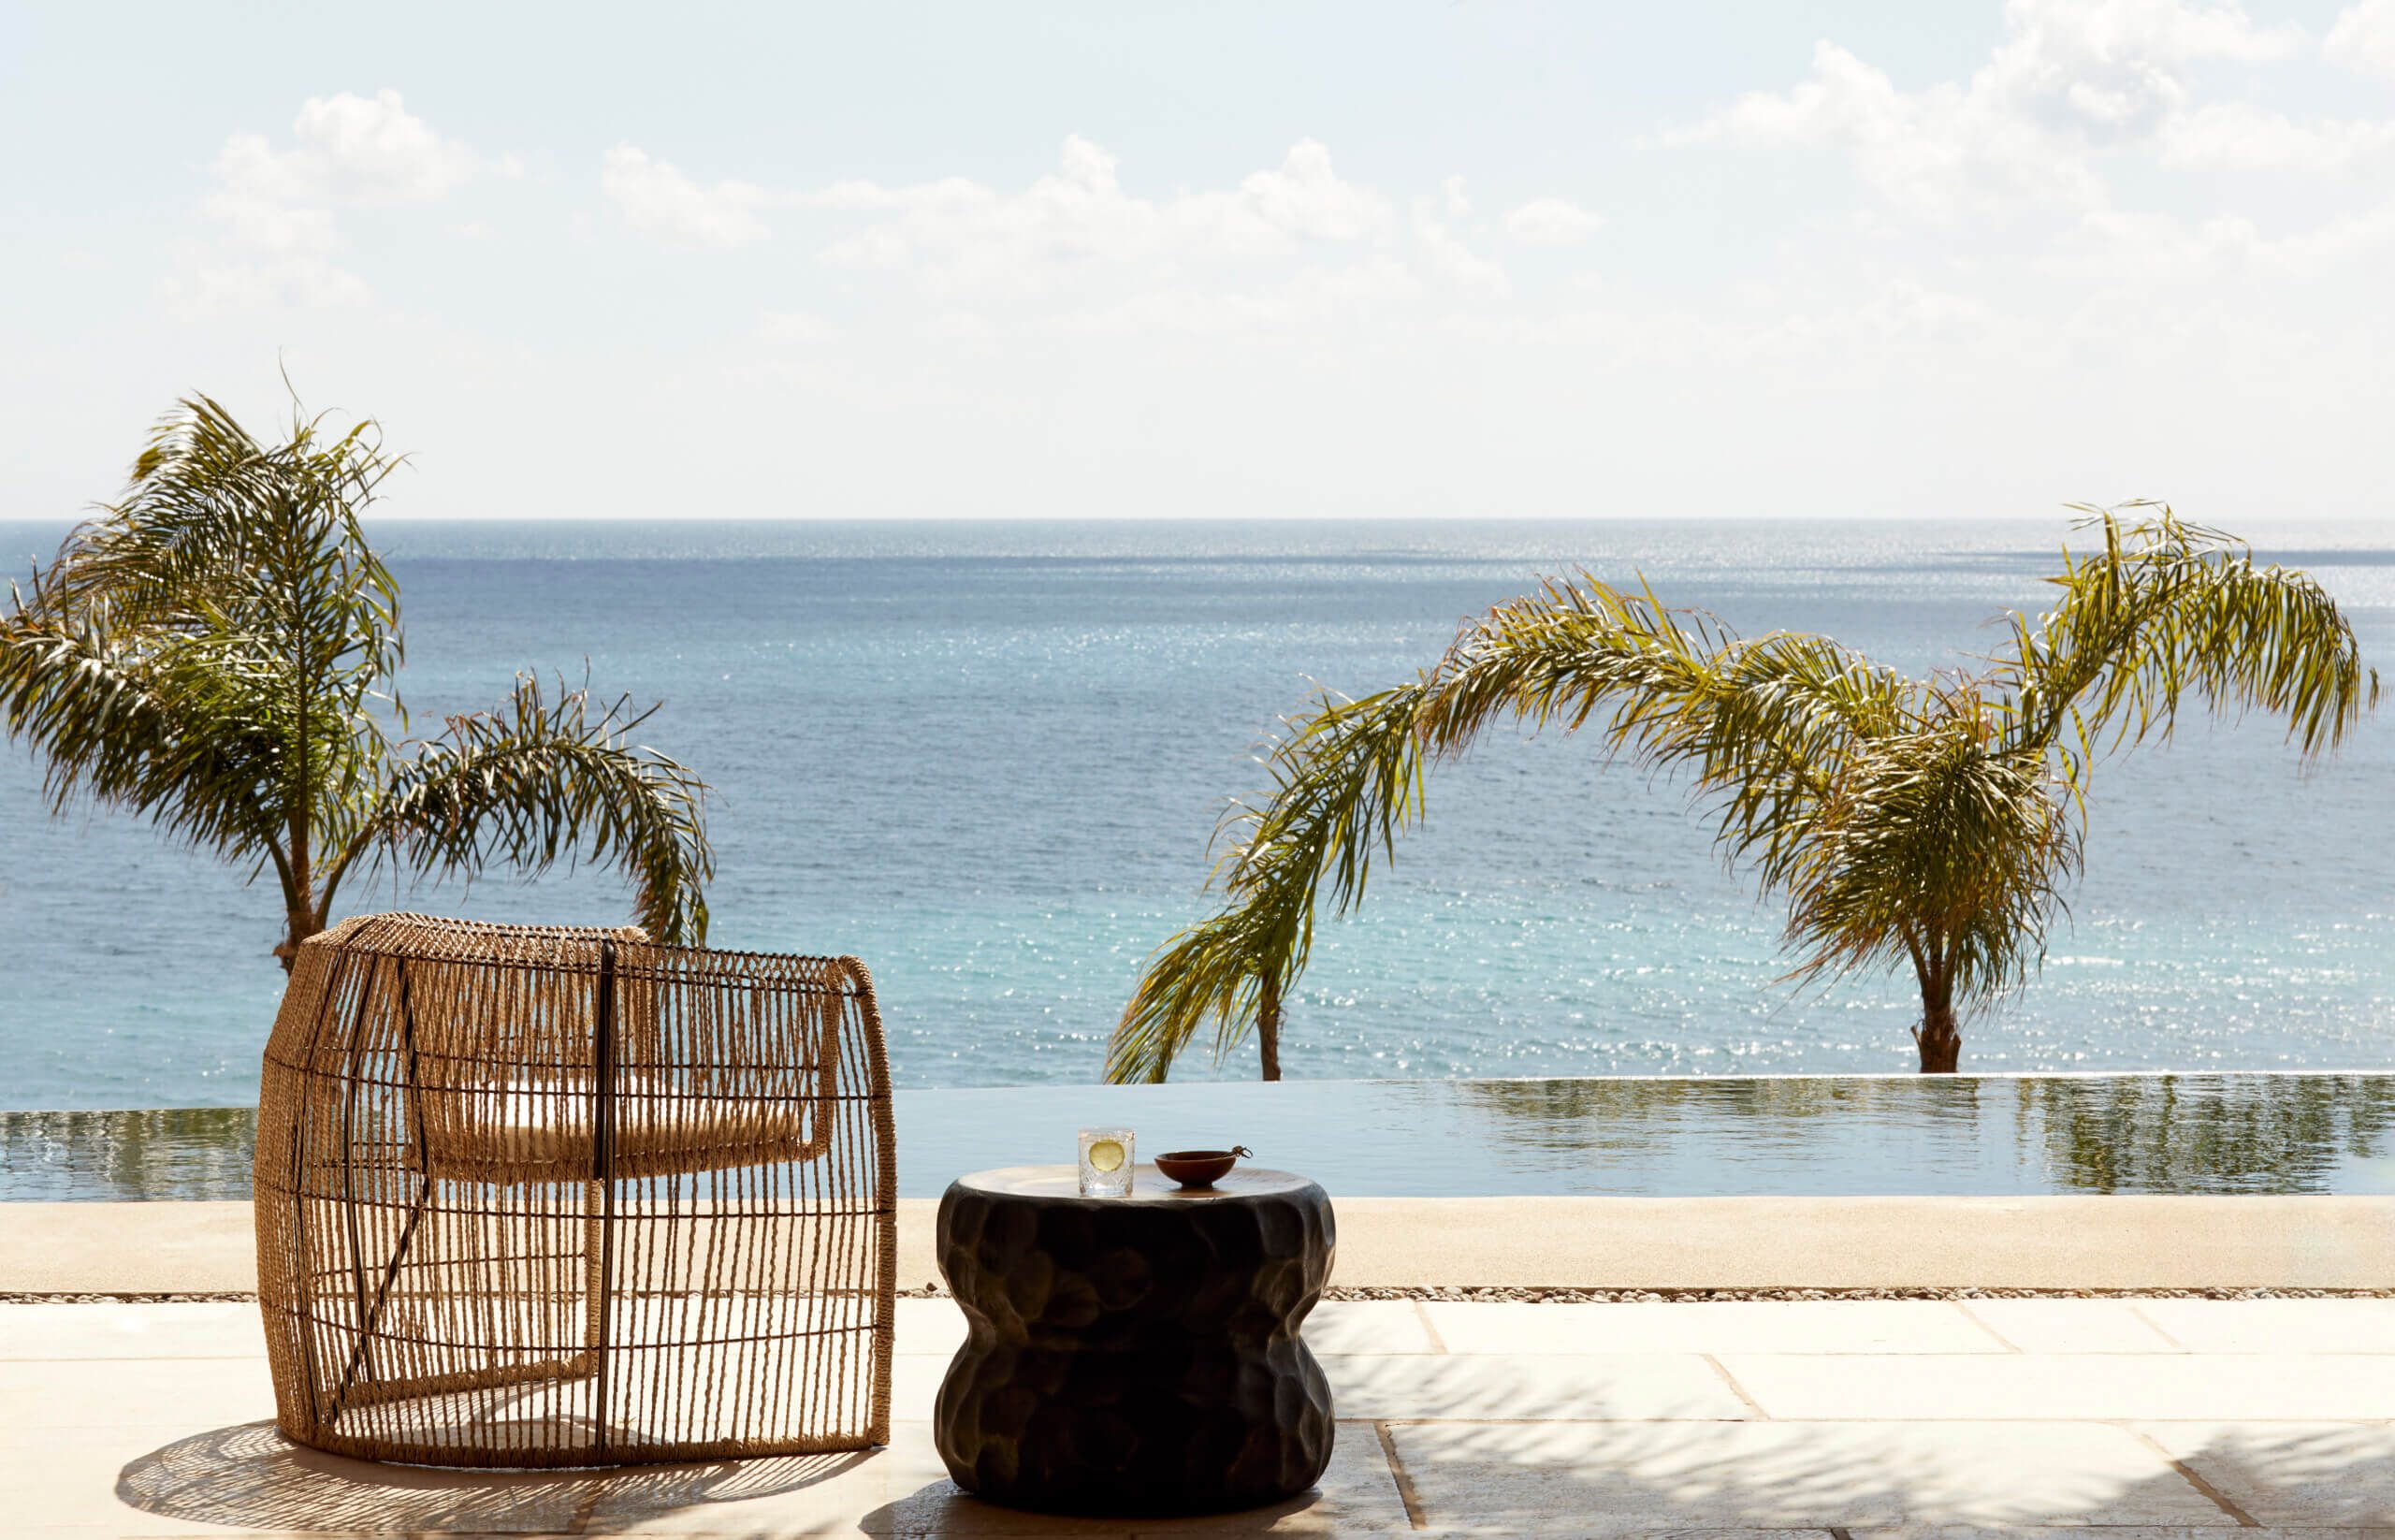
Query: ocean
point(987, 757)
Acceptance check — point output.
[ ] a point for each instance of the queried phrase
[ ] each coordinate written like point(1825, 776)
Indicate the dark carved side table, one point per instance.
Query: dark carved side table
point(1134, 1355)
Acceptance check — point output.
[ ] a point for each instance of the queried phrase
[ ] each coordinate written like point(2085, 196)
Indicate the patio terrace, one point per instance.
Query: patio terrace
point(2185, 1415)
point(2182, 1415)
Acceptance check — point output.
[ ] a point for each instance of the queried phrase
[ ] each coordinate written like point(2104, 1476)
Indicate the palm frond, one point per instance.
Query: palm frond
point(2167, 610)
point(1347, 780)
point(141, 726)
point(1757, 727)
point(1931, 822)
point(1944, 850)
point(233, 579)
point(1209, 975)
point(217, 650)
point(539, 781)
point(1755, 724)
point(215, 521)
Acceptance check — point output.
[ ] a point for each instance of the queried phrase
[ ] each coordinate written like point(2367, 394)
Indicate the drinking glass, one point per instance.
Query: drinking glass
point(1106, 1163)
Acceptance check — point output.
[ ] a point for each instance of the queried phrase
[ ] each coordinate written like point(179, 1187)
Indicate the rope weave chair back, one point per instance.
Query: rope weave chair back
point(539, 1196)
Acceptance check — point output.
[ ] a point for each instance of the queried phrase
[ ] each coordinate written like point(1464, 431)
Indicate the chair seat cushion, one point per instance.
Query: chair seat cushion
point(533, 1130)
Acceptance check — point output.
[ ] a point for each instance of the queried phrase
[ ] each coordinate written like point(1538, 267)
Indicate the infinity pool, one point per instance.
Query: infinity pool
point(1641, 1136)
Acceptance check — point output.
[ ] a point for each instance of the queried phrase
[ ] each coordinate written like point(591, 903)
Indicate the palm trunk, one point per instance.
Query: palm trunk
point(1267, 1024)
point(1939, 1040)
point(301, 918)
point(300, 924)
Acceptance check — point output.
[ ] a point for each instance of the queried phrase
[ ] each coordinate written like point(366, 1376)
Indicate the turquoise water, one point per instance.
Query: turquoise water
point(986, 758)
point(1647, 1137)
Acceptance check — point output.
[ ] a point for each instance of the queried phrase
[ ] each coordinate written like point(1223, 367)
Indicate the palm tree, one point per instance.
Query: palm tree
point(217, 652)
point(1926, 823)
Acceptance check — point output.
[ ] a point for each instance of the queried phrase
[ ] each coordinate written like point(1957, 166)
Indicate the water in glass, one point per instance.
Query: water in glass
point(1106, 1162)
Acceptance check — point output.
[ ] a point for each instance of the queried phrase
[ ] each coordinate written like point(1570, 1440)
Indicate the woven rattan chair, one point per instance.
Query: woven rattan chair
point(541, 1197)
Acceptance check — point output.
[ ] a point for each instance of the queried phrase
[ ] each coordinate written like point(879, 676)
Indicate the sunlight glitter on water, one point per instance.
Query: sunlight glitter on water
point(988, 758)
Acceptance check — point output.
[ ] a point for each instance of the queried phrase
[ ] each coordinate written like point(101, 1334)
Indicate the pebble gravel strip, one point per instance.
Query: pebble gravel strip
point(1511, 1295)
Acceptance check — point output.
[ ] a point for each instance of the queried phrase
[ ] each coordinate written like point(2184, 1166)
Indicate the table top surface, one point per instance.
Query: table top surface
point(1054, 1183)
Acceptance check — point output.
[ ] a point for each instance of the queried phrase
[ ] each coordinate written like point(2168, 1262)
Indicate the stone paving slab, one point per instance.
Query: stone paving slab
point(1373, 1326)
point(2053, 1243)
point(73, 1248)
point(190, 1330)
point(904, 1490)
point(43, 1398)
point(1750, 1326)
point(2113, 1242)
point(236, 1479)
point(929, 1328)
point(935, 1327)
point(2274, 1326)
point(1905, 1420)
point(2070, 1325)
point(2110, 1532)
point(2071, 1387)
point(1639, 1387)
point(1614, 1477)
point(2297, 1473)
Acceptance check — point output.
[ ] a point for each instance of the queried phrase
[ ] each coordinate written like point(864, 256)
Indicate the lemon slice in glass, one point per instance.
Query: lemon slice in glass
point(1106, 1155)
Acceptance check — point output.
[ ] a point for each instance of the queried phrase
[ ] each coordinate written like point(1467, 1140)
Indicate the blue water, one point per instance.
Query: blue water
point(987, 757)
point(1653, 1136)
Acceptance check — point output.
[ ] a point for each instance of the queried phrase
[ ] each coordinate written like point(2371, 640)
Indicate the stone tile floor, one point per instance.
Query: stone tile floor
point(1833, 1421)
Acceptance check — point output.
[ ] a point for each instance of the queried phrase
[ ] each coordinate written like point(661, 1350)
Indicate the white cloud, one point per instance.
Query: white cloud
point(1304, 199)
point(1291, 246)
point(2071, 78)
point(1281, 250)
point(1371, 291)
point(275, 210)
point(1934, 152)
point(2240, 137)
point(961, 234)
point(2130, 246)
point(1892, 319)
point(2110, 62)
point(874, 250)
point(2362, 39)
point(348, 150)
point(2148, 254)
point(1551, 222)
point(1361, 291)
point(658, 198)
point(2348, 238)
point(1451, 259)
point(1067, 239)
point(793, 326)
point(957, 328)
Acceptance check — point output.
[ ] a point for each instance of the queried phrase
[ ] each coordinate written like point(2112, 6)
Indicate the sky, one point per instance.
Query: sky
point(1915, 259)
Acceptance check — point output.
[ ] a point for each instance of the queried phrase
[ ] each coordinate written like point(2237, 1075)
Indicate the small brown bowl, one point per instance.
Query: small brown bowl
point(1197, 1170)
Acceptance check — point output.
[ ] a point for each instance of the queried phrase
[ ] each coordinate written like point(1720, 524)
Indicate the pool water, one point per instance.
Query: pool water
point(1646, 1136)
